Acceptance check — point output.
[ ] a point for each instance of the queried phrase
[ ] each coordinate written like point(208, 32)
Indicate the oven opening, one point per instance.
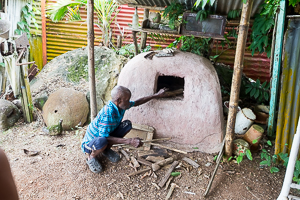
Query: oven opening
point(175, 85)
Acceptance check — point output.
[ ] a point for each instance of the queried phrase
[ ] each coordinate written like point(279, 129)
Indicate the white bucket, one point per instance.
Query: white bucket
point(244, 119)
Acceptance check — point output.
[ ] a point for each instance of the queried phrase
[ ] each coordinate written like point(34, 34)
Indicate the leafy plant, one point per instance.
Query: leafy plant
point(203, 3)
point(232, 14)
point(27, 18)
point(293, 2)
point(285, 158)
point(106, 11)
point(240, 158)
point(199, 46)
point(269, 159)
point(127, 50)
point(202, 15)
point(174, 14)
point(259, 92)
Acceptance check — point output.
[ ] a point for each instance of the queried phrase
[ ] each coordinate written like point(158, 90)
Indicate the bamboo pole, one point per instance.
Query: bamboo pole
point(44, 35)
point(91, 61)
point(237, 74)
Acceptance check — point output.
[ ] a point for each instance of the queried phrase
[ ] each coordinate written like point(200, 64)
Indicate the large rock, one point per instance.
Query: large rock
point(68, 105)
point(9, 114)
point(70, 70)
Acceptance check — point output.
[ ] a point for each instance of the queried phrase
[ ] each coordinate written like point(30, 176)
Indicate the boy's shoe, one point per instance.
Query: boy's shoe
point(94, 165)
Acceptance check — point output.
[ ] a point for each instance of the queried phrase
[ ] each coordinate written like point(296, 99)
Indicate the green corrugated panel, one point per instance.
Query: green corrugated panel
point(36, 48)
point(289, 104)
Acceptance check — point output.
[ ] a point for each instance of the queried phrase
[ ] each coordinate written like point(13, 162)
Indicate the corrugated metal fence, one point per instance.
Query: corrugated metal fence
point(289, 104)
point(65, 36)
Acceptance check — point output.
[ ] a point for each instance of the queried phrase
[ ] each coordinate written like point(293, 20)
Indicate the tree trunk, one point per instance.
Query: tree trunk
point(91, 61)
point(237, 74)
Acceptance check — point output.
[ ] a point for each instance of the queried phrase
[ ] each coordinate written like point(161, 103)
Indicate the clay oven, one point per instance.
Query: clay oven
point(194, 119)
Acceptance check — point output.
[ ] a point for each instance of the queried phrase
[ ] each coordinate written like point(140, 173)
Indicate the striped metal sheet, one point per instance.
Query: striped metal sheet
point(65, 36)
point(289, 103)
point(255, 67)
point(222, 6)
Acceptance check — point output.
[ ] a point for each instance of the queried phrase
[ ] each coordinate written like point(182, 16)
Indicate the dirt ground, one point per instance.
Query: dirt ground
point(59, 172)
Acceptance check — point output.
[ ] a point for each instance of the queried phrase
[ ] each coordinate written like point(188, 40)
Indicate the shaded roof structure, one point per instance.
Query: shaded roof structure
point(221, 7)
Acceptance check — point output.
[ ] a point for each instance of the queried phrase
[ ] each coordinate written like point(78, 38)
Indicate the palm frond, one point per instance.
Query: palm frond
point(57, 11)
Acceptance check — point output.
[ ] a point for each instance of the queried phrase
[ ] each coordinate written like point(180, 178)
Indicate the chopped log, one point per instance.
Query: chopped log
point(156, 166)
point(170, 148)
point(147, 145)
point(173, 185)
point(139, 172)
point(144, 162)
point(134, 162)
point(168, 174)
point(155, 159)
point(191, 162)
point(125, 154)
point(153, 152)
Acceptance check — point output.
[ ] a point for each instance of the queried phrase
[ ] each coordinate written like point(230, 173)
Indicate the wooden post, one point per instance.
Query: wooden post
point(135, 42)
point(144, 34)
point(91, 61)
point(237, 74)
point(119, 41)
point(44, 35)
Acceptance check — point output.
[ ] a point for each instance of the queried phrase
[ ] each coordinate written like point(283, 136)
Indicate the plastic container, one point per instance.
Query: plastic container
point(135, 20)
point(4, 28)
point(244, 119)
point(240, 146)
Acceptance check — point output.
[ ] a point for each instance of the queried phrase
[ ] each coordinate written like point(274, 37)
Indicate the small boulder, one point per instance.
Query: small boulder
point(67, 105)
point(9, 114)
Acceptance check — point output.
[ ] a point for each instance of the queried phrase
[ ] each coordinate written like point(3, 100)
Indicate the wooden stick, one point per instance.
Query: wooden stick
point(139, 172)
point(173, 185)
point(125, 154)
point(168, 174)
point(237, 75)
point(144, 162)
point(27, 63)
point(216, 168)
point(134, 162)
point(146, 141)
point(191, 162)
point(135, 42)
point(170, 148)
point(169, 181)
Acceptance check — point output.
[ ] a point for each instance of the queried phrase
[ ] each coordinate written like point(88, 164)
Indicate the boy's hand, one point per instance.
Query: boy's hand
point(136, 142)
point(162, 93)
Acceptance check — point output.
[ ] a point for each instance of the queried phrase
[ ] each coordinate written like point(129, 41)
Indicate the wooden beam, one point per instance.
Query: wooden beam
point(144, 34)
point(146, 7)
point(91, 60)
point(237, 75)
point(135, 42)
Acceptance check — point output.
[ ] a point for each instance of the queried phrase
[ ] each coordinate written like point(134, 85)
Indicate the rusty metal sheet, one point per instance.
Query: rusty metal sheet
point(289, 103)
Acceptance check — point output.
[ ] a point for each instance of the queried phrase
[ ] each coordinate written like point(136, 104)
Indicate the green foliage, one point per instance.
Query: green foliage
point(27, 18)
point(203, 3)
point(268, 159)
point(240, 158)
point(285, 158)
point(174, 14)
point(260, 92)
point(148, 48)
point(199, 46)
point(294, 2)
point(232, 14)
point(106, 11)
point(261, 30)
point(202, 15)
point(127, 50)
